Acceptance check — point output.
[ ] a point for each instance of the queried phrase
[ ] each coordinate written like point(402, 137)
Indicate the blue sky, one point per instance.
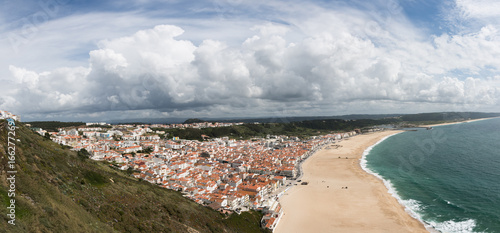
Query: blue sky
point(105, 60)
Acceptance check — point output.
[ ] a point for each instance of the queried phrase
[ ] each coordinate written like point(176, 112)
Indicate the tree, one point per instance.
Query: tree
point(117, 137)
point(193, 120)
point(205, 154)
point(83, 154)
point(146, 151)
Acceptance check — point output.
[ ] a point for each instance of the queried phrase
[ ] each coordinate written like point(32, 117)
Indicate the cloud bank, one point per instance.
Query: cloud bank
point(325, 63)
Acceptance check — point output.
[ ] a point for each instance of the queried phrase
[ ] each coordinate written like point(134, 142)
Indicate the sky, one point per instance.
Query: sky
point(93, 60)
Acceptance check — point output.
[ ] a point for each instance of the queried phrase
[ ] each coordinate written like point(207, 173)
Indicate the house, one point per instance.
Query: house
point(173, 145)
point(132, 149)
point(7, 115)
point(40, 131)
point(288, 171)
point(235, 181)
point(72, 132)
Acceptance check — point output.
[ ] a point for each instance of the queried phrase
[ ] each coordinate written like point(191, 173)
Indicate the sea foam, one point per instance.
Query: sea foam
point(452, 197)
point(412, 207)
point(450, 226)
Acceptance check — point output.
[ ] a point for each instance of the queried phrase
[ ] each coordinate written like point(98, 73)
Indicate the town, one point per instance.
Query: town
point(226, 174)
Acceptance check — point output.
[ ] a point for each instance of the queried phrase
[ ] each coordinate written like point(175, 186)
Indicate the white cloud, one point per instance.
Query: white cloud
point(355, 63)
point(479, 8)
point(467, 16)
point(107, 60)
point(24, 77)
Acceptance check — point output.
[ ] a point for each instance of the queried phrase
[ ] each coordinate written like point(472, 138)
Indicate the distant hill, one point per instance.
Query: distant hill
point(287, 119)
point(193, 120)
point(447, 116)
point(58, 190)
point(54, 125)
point(343, 125)
point(148, 120)
point(284, 119)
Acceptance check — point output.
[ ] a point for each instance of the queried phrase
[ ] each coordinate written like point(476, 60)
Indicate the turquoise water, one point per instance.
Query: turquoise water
point(447, 177)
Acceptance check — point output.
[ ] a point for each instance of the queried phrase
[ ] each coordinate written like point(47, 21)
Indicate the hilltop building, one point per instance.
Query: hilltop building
point(8, 115)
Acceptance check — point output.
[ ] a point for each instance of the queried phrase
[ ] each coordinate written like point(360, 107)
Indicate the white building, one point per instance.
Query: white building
point(8, 115)
point(173, 145)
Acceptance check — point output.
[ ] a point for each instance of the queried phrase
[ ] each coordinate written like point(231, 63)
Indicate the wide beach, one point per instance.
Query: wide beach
point(326, 205)
point(457, 122)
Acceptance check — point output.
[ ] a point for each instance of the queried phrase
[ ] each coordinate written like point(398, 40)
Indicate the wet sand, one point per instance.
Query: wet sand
point(325, 205)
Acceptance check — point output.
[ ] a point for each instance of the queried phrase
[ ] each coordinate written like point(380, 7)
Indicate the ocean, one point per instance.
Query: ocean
point(447, 177)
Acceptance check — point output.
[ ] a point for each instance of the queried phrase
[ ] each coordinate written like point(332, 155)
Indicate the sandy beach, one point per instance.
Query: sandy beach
point(325, 206)
point(458, 122)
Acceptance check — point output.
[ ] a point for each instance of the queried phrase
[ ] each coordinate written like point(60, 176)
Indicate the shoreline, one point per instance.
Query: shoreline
point(390, 189)
point(342, 185)
point(458, 122)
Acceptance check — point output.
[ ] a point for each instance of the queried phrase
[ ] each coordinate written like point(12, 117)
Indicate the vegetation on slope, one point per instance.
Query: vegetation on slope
point(193, 120)
point(58, 190)
point(53, 126)
point(446, 116)
point(300, 129)
point(319, 126)
point(343, 125)
point(244, 131)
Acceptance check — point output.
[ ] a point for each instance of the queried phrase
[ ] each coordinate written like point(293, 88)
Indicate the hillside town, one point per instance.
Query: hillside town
point(225, 174)
point(8, 115)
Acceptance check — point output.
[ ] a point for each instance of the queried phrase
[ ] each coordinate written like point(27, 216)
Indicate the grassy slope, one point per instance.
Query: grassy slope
point(58, 191)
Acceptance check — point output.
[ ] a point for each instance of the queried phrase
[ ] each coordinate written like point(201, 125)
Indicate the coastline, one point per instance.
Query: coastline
point(341, 196)
point(458, 122)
